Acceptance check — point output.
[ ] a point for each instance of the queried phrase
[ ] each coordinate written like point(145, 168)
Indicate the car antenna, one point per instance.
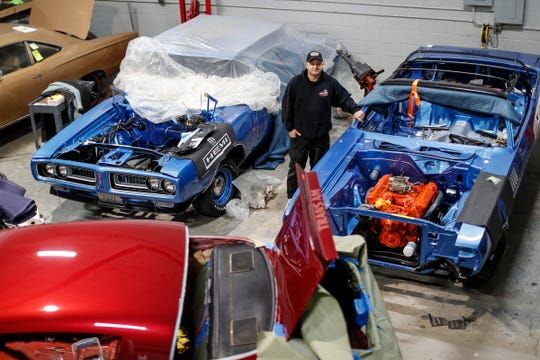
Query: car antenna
point(189, 113)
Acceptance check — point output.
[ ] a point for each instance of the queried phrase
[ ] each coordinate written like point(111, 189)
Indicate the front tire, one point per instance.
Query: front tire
point(213, 201)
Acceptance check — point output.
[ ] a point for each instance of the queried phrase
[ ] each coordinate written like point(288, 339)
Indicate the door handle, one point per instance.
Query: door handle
point(37, 76)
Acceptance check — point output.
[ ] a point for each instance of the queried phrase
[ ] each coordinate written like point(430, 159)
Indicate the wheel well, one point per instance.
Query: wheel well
point(99, 73)
point(237, 154)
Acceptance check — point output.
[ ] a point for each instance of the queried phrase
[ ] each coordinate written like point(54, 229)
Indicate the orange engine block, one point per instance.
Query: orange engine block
point(396, 195)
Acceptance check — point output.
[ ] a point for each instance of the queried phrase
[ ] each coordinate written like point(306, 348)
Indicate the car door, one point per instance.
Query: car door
point(22, 80)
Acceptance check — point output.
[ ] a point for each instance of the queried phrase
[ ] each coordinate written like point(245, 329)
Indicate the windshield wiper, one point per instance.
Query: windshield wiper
point(486, 133)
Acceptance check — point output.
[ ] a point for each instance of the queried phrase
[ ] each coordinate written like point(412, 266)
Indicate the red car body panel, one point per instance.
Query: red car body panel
point(305, 248)
point(122, 278)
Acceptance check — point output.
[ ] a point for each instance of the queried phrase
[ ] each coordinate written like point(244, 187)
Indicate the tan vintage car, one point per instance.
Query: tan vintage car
point(53, 47)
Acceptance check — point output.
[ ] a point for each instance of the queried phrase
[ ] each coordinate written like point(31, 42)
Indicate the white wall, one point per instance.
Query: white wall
point(379, 32)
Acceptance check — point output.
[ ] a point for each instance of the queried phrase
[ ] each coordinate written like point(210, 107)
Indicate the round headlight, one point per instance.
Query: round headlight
point(49, 169)
point(63, 171)
point(169, 187)
point(154, 184)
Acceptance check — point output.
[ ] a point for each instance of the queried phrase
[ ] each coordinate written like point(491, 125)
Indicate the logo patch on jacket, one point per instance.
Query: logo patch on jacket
point(323, 93)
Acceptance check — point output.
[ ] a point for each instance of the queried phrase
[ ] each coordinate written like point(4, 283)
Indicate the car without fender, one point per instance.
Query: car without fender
point(132, 289)
point(430, 177)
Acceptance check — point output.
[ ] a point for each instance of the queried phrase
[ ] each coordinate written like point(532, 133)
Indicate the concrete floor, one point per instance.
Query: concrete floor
point(507, 309)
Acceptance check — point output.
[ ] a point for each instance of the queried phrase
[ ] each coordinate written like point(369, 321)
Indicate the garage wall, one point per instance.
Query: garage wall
point(380, 32)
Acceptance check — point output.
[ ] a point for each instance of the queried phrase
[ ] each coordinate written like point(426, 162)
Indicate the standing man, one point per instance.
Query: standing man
point(306, 105)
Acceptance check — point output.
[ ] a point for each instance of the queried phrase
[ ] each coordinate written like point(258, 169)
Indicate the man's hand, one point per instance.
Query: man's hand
point(359, 115)
point(294, 133)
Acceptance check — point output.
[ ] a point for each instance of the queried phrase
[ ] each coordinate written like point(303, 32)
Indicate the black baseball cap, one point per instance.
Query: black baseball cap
point(314, 55)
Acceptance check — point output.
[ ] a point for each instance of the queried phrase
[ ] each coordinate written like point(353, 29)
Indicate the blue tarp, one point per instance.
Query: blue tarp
point(277, 148)
point(459, 99)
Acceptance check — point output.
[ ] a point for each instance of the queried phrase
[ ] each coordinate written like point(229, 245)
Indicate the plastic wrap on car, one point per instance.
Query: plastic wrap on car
point(235, 60)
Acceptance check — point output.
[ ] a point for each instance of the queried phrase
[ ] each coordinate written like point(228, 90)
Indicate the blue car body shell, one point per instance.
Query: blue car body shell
point(475, 154)
point(95, 178)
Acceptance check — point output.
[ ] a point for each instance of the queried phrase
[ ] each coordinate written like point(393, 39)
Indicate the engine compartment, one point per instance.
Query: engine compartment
point(127, 140)
point(396, 195)
point(409, 186)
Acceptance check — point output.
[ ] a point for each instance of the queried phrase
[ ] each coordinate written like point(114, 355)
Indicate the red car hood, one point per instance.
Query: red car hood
point(66, 278)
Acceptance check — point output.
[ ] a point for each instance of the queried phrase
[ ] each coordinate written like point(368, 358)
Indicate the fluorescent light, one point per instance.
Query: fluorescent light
point(120, 326)
point(56, 253)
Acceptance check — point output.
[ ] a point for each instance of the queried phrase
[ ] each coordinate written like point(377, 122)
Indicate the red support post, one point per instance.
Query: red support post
point(182, 5)
point(208, 7)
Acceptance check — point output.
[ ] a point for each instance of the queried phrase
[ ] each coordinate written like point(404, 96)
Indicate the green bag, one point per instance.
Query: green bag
point(323, 327)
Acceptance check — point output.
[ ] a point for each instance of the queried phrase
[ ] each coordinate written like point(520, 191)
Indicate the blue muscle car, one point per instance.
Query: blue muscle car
point(121, 159)
point(430, 176)
point(159, 144)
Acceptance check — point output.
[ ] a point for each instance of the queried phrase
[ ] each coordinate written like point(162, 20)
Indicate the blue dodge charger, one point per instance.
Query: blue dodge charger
point(430, 176)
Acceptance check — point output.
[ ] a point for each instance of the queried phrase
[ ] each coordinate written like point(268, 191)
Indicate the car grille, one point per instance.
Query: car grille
point(128, 181)
point(82, 175)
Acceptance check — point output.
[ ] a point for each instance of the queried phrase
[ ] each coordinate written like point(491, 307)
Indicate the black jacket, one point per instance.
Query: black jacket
point(307, 105)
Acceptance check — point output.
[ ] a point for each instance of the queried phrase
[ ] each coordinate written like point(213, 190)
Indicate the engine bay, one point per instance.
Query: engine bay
point(130, 141)
point(396, 195)
point(392, 189)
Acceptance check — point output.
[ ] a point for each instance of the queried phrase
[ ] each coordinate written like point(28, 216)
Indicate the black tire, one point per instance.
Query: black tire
point(99, 91)
point(490, 267)
point(212, 201)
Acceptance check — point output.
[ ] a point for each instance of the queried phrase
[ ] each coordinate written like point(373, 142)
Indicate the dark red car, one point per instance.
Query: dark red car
point(131, 287)
point(147, 290)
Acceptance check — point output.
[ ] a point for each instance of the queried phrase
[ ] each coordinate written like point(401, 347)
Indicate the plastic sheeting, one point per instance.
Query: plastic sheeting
point(256, 188)
point(160, 89)
point(236, 60)
point(238, 209)
point(232, 46)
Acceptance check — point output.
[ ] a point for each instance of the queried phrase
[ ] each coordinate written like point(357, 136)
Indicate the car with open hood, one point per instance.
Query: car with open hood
point(132, 289)
point(193, 106)
point(54, 46)
point(429, 178)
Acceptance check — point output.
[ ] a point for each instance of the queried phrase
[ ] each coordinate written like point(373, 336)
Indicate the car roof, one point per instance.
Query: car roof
point(122, 278)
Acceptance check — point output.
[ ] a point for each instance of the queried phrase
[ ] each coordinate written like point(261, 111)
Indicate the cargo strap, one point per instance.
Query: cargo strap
point(413, 98)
